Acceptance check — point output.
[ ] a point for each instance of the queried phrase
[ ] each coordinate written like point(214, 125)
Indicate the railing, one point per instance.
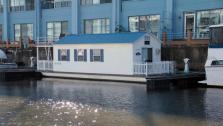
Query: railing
point(58, 4)
point(62, 4)
point(17, 8)
point(41, 41)
point(182, 36)
point(45, 65)
point(156, 68)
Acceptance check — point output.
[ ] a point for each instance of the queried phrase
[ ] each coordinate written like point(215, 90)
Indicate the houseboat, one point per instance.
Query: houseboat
point(125, 54)
point(214, 63)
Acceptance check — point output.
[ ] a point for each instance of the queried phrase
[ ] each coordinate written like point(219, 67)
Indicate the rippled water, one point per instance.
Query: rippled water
point(57, 102)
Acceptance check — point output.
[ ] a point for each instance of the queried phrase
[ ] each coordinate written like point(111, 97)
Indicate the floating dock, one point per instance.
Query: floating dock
point(175, 81)
point(18, 74)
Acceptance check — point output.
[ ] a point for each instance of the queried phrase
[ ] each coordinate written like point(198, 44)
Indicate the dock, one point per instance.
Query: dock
point(18, 74)
point(175, 81)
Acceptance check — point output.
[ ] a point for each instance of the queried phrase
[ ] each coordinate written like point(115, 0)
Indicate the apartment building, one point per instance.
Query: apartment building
point(22, 20)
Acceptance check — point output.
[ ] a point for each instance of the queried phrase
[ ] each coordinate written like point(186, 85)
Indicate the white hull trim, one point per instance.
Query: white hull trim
point(96, 77)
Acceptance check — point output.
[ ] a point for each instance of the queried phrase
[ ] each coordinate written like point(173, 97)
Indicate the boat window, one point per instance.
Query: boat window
point(217, 62)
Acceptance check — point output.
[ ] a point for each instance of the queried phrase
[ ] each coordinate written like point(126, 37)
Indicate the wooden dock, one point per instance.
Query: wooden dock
point(175, 81)
point(18, 74)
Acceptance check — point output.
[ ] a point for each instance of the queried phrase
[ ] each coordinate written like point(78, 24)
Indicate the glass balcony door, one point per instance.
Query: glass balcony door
point(189, 24)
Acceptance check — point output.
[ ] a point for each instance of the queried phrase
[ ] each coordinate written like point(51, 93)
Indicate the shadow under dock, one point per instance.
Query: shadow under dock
point(175, 81)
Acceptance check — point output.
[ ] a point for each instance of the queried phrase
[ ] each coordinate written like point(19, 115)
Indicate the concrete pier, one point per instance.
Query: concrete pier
point(175, 81)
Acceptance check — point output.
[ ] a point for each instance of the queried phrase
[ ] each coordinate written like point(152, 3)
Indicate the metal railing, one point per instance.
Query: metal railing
point(62, 4)
point(56, 4)
point(155, 68)
point(44, 65)
point(46, 41)
point(17, 8)
point(187, 36)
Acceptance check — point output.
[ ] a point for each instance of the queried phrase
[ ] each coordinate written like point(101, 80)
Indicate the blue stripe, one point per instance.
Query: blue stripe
point(215, 45)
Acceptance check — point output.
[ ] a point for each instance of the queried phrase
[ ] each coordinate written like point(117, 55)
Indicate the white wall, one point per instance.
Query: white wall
point(155, 44)
point(118, 59)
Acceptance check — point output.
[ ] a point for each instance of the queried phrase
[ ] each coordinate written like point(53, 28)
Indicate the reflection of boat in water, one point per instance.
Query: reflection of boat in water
point(3, 62)
point(214, 63)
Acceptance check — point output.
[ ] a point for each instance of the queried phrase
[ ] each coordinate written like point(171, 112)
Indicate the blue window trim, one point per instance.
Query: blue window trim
point(101, 55)
point(67, 57)
point(76, 55)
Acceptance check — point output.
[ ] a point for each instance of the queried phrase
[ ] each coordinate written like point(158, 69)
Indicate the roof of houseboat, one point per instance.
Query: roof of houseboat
point(128, 37)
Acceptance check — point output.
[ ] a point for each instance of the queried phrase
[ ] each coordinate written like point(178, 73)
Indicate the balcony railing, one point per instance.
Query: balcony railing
point(168, 37)
point(52, 5)
point(44, 41)
point(62, 4)
point(17, 8)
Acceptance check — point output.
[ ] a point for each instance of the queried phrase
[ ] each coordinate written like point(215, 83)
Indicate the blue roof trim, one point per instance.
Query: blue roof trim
point(129, 37)
point(215, 45)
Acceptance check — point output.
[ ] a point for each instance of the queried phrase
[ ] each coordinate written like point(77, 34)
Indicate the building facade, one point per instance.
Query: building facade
point(24, 20)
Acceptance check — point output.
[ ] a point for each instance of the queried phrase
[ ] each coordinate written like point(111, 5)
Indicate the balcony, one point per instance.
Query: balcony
point(17, 8)
point(55, 4)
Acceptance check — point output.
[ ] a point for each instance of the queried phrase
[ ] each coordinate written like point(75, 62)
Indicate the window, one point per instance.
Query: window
point(50, 4)
point(189, 24)
point(144, 23)
point(30, 5)
point(217, 62)
point(63, 55)
point(97, 26)
point(56, 29)
point(216, 36)
point(1, 32)
point(80, 55)
point(207, 18)
point(22, 5)
point(23, 31)
point(91, 2)
point(1, 6)
point(97, 55)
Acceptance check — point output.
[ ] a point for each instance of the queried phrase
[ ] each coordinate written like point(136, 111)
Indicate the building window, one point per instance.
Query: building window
point(1, 32)
point(207, 18)
point(30, 5)
point(145, 23)
point(97, 26)
point(23, 32)
point(97, 55)
point(63, 55)
point(216, 37)
point(56, 30)
point(1, 6)
point(80, 55)
point(91, 2)
point(50, 4)
point(22, 5)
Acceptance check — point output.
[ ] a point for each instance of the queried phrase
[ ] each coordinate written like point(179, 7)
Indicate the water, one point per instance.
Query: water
point(57, 102)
